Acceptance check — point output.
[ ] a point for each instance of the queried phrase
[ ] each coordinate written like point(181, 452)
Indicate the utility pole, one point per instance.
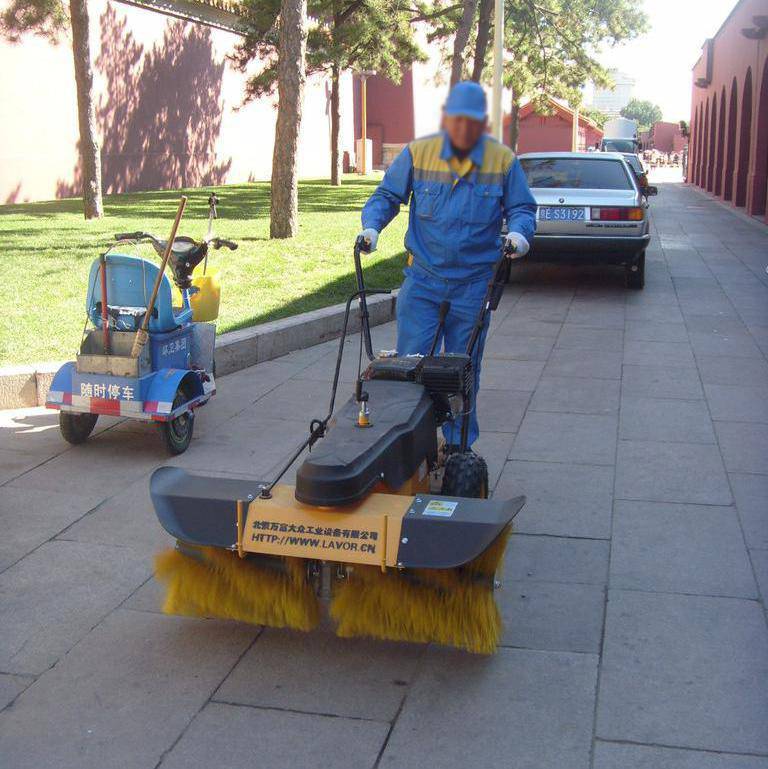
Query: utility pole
point(497, 126)
point(363, 119)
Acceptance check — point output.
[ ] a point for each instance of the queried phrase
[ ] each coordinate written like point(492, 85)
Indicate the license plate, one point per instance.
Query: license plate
point(560, 213)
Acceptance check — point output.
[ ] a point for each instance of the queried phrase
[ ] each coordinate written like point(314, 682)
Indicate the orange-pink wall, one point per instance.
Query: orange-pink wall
point(728, 149)
point(167, 108)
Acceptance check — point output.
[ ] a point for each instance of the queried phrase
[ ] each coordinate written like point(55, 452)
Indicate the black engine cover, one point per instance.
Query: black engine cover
point(345, 465)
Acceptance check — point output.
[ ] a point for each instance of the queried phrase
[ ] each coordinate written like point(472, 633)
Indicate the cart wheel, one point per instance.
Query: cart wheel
point(636, 277)
point(466, 475)
point(75, 428)
point(177, 433)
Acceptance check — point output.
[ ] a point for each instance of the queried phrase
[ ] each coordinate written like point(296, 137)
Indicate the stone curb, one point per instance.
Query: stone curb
point(27, 386)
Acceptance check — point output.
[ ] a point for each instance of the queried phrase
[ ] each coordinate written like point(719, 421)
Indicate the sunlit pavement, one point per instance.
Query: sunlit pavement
point(636, 423)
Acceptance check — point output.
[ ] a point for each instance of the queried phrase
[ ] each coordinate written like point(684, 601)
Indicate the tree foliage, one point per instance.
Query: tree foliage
point(372, 35)
point(645, 112)
point(46, 18)
point(596, 115)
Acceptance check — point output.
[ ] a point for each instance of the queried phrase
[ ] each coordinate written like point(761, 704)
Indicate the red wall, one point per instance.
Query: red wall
point(666, 137)
point(550, 133)
point(728, 153)
point(390, 112)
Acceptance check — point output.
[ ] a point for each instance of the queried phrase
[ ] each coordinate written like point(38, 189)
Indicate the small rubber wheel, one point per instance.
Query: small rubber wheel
point(636, 278)
point(176, 434)
point(466, 475)
point(75, 428)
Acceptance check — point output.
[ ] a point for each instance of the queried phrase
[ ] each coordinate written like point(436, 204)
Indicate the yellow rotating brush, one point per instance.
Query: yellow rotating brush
point(453, 607)
point(211, 582)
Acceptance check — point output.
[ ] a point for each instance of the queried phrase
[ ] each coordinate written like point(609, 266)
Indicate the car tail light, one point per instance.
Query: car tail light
point(617, 214)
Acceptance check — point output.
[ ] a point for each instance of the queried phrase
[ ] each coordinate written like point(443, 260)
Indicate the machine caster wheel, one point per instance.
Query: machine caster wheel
point(176, 434)
point(75, 428)
point(635, 274)
point(466, 475)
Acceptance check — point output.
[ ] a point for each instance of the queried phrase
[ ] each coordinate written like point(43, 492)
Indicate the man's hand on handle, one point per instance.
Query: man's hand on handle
point(368, 239)
point(515, 245)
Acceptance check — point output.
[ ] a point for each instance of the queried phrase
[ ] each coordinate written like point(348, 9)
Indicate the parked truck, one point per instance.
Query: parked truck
point(620, 135)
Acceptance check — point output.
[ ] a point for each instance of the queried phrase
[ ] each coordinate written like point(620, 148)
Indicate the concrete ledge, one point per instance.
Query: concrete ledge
point(27, 386)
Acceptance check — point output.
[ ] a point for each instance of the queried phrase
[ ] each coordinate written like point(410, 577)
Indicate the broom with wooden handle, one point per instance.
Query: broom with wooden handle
point(142, 334)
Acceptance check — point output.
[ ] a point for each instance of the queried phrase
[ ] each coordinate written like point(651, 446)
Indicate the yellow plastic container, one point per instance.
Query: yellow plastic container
point(205, 302)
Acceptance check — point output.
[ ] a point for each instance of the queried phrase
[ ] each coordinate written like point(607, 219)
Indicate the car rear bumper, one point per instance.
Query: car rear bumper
point(587, 248)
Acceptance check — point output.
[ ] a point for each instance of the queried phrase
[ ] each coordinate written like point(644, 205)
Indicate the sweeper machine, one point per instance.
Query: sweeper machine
point(360, 525)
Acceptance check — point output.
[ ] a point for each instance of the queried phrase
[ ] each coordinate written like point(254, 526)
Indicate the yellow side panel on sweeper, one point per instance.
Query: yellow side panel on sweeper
point(365, 533)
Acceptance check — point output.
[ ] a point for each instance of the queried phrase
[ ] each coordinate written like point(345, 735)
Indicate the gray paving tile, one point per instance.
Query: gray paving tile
point(499, 374)
point(223, 736)
point(751, 495)
point(595, 316)
point(514, 326)
point(127, 519)
point(533, 706)
point(671, 472)
point(494, 448)
point(562, 500)
point(654, 313)
point(517, 348)
point(320, 673)
point(578, 438)
point(104, 464)
point(123, 695)
point(53, 597)
point(501, 410)
point(551, 616)
point(719, 369)
point(738, 403)
point(661, 382)
point(715, 324)
point(760, 563)
point(576, 395)
point(670, 354)
point(649, 331)
point(11, 687)
point(580, 338)
point(687, 671)
point(15, 463)
point(598, 364)
point(744, 446)
point(731, 345)
point(29, 517)
point(679, 548)
point(556, 559)
point(610, 755)
point(659, 419)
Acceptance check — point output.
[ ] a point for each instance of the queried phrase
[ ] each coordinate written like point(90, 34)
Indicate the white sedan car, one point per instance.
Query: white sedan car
point(590, 211)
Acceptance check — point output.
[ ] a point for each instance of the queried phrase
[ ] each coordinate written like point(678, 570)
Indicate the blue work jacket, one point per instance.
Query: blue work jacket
point(454, 226)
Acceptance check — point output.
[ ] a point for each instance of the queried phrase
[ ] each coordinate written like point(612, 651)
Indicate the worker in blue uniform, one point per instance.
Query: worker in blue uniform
point(461, 184)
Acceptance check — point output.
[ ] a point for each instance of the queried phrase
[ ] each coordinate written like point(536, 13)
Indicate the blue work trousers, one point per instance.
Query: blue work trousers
point(418, 314)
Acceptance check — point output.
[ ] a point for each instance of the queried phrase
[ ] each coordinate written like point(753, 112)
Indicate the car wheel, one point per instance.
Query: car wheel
point(75, 428)
point(635, 274)
point(176, 434)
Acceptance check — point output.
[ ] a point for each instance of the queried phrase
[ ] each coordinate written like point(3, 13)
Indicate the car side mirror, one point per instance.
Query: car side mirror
point(651, 190)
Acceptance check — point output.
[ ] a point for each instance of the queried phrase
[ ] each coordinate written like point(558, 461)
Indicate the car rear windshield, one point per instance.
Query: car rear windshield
point(618, 145)
point(579, 173)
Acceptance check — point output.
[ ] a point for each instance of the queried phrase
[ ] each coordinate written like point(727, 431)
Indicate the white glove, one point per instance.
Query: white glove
point(371, 238)
point(519, 242)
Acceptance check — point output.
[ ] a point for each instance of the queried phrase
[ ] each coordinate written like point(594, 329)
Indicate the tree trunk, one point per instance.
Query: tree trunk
point(336, 168)
point(90, 153)
point(461, 39)
point(483, 36)
point(514, 124)
point(292, 48)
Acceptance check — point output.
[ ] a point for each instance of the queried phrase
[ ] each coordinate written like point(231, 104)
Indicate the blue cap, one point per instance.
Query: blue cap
point(468, 99)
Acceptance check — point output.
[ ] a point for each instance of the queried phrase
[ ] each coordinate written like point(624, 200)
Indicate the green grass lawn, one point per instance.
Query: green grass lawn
point(47, 250)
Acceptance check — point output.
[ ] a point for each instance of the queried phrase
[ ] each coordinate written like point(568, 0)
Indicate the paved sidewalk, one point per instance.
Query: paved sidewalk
point(636, 423)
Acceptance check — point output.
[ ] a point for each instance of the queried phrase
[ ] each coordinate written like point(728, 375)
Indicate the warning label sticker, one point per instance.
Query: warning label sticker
point(440, 507)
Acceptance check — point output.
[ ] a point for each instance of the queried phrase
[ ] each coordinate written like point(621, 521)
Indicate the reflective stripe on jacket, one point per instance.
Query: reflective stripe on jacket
point(454, 226)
